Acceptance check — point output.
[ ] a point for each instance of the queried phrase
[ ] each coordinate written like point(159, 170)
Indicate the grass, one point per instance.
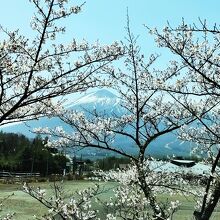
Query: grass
point(24, 206)
point(20, 203)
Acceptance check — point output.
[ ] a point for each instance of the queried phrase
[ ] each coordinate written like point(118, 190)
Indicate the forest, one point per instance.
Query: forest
point(20, 154)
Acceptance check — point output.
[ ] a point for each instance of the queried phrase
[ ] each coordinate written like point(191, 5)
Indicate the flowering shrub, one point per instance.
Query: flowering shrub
point(77, 207)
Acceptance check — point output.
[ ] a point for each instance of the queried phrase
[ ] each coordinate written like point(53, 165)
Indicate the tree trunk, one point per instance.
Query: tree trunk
point(159, 213)
point(210, 206)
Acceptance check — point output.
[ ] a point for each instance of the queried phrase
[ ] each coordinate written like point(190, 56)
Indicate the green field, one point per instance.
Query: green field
point(25, 207)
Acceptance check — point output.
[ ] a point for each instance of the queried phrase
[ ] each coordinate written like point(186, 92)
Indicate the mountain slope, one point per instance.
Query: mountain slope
point(104, 100)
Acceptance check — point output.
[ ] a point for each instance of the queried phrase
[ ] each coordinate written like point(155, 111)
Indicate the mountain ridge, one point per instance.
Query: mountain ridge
point(107, 101)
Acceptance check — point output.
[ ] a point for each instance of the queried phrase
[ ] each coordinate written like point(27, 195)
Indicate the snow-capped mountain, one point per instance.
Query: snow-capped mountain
point(99, 100)
point(102, 96)
point(103, 100)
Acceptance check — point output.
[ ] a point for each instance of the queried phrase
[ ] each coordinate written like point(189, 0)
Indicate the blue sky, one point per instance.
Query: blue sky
point(105, 19)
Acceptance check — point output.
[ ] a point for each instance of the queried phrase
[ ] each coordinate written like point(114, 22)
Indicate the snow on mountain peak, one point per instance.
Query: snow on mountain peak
point(104, 93)
point(102, 96)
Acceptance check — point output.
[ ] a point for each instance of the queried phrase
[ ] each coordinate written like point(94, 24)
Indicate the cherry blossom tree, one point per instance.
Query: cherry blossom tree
point(195, 73)
point(183, 98)
point(127, 201)
point(35, 70)
point(154, 104)
point(148, 113)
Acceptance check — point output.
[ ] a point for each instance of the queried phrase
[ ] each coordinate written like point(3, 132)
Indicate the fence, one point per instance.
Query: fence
point(16, 177)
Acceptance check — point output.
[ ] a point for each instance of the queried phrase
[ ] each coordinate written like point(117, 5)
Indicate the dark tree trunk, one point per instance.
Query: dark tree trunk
point(159, 213)
point(210, 206)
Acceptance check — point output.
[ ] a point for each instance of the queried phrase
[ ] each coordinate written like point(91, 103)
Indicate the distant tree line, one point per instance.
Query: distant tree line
point(20, 154)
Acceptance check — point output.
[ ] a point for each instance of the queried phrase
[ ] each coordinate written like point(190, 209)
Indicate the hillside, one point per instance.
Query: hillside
point(104, 100)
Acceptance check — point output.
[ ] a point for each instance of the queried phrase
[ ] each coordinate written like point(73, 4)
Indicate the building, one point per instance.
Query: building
point(182, 167)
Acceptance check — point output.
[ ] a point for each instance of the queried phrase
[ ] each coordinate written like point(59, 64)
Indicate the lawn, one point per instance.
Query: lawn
point(25, 207)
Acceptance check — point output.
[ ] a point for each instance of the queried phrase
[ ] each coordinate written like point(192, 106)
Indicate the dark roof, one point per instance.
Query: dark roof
point(185, 163)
